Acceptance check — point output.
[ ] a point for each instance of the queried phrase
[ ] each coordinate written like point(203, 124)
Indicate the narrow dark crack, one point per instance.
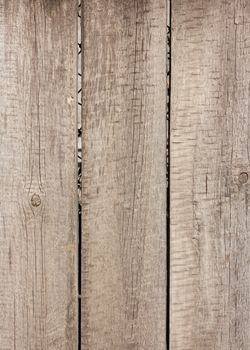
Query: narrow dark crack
point(79, 155)
point(169, 17)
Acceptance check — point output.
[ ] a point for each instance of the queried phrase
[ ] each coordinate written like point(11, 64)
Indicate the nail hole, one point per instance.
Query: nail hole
point(243, 178)
point(35, 200)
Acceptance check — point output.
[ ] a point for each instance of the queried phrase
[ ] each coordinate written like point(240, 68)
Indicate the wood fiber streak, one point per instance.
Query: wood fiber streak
point(210, 222)
point(37, 175)
point(124, 175)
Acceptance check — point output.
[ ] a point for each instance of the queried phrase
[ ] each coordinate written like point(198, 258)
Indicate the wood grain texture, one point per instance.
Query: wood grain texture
point(210, 237)
point(38, 205)
point(124, 175)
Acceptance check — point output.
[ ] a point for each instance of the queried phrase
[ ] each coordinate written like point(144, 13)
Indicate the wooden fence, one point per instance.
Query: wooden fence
point(124, 162)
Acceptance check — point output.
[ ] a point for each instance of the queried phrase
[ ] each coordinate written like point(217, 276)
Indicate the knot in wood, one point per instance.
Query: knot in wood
point(243, 178)
point(35, 200)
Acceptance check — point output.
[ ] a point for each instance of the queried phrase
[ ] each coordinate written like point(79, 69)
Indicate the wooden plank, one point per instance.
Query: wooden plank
point(210, 239)
point(38, 203)
point(124, 175)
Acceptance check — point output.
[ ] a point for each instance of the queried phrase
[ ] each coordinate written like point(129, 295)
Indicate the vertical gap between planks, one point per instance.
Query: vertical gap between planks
point(169, 16)
point(79, 155)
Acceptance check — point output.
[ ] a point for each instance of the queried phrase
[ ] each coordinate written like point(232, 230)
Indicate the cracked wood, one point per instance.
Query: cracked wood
point(210, 237)
point(124, 175)
point(38, 175)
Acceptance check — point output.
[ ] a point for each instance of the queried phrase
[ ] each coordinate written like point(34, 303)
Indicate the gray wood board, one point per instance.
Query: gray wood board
point(124, 175)
point(38, 203)
point(210, 245)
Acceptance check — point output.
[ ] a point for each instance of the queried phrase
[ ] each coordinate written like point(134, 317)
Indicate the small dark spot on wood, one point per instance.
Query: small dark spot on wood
point(35, 200)
point(243, 178)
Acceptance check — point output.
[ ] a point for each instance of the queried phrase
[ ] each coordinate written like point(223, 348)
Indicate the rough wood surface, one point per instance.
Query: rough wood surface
point(124, 175)
point(210, 237)
point(37, 175)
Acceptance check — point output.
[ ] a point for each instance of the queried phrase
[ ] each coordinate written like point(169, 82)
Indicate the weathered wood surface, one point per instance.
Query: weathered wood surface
point(124, 175)
point(210, 237)
point(38, 208)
